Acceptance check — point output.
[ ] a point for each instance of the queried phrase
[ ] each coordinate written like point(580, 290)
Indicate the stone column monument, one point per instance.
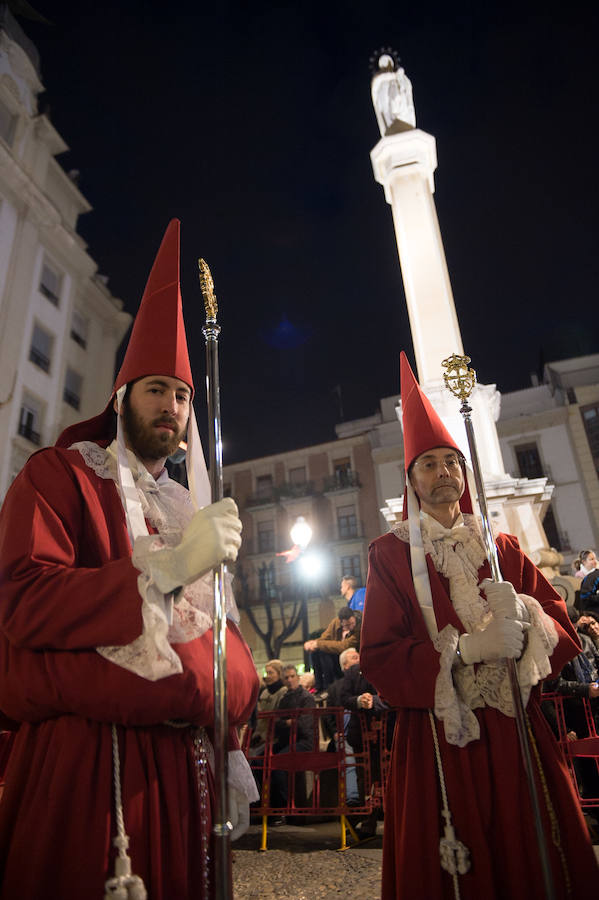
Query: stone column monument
point(404, 162)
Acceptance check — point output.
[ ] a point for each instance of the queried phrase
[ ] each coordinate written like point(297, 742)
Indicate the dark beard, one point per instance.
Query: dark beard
point(147, 443)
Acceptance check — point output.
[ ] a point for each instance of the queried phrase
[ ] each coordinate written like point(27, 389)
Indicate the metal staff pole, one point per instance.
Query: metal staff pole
point(223, 878)
point(460, 380)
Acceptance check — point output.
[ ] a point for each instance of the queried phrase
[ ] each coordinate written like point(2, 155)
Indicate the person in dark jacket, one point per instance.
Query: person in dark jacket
point(341, 633)
point(589, 593)
point(296, 697)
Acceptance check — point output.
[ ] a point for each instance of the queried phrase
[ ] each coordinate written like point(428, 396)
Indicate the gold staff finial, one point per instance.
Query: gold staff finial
point(459, 378)
point(207, 288)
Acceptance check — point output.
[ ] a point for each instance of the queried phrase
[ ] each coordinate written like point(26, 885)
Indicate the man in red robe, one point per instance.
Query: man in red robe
point(106, 640)
point(458, 822)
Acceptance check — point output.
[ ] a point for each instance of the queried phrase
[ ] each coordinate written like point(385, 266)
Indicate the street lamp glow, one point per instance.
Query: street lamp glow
point(301, 533)
point(311, 565)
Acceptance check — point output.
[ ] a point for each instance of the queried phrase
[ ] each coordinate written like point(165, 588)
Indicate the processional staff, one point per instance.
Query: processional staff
point(461, 380)
point(223, 880)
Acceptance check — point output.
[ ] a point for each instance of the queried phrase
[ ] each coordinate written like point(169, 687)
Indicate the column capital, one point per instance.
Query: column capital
point(405, 153)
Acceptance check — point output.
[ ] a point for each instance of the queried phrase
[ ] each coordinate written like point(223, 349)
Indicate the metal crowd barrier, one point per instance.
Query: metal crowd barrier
point(583, 748)
point(314, 774)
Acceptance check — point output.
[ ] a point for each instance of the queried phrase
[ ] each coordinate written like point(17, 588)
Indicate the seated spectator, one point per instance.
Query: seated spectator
point(589, 625)
point(269, 698)
point(353, 595)
point(589, 589)
point(341, 633)
point(586, 562)
point(578, 679)
point(307, 681)
point(357, 694)
point(347, 659)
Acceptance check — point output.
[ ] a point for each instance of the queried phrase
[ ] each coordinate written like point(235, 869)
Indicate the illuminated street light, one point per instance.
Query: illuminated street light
point(301, 533)
point(311, 565)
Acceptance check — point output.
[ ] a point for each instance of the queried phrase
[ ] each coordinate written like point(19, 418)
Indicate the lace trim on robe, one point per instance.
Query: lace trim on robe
point(458, 555)
point(167, 507)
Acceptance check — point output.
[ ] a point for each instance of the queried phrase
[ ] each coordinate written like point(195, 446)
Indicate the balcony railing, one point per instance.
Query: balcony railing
point(289, 490)
point(49, 293)
point(340, 481)
point(39, 359)
point(71, 398)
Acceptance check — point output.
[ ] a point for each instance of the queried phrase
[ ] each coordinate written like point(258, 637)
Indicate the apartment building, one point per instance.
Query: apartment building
point(60, 326)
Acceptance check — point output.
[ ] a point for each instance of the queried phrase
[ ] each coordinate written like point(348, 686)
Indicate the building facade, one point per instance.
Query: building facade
point(552, 429)
point(332, 486)
point(60, 327)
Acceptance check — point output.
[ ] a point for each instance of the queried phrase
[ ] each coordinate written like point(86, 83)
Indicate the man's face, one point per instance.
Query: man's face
point(437, 477)
point(155, 415)
point(291, 679)
point(351, 659)
point(346, 589)
point(349, 623)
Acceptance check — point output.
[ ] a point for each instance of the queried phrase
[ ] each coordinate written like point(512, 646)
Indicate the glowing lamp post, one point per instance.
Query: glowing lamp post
point(301, 535)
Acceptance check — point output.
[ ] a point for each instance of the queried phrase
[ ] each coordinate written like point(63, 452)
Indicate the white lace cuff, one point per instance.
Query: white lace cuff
point(240, 776)
point(534, 664)
point(455, 711)
point(150, 655)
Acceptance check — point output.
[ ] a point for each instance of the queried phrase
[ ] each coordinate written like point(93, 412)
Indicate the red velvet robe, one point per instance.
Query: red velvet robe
point(67, 585)
point(487, 790)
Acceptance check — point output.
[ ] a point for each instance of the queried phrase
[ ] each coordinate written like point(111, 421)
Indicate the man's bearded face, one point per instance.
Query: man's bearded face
point(155, 417)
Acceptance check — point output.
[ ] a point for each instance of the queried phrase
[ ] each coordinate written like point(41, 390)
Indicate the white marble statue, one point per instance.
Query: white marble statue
point(392, 97)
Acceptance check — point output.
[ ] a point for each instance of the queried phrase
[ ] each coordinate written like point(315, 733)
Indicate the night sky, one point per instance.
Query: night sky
point(253, 124)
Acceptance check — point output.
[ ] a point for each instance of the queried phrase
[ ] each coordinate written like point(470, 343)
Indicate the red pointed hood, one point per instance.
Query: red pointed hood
point(157, 346)
point(422, 427)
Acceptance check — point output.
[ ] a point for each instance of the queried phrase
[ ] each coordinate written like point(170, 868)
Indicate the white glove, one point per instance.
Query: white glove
point(504, 601)
point(501, 639)
point(239, 812)
point(212, 536)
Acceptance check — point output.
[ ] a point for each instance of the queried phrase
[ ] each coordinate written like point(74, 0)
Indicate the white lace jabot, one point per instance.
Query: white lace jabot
point(458, 553)
point(168, 508)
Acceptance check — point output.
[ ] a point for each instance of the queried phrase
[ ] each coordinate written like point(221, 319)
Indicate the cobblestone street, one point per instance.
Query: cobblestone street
point(303, 863)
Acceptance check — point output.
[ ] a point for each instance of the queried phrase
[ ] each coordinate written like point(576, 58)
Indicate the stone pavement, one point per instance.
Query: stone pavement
point(303, 862)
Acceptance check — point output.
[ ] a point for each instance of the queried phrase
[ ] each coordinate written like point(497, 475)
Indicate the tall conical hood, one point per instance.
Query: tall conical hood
point(422, 427)
point(157, 345)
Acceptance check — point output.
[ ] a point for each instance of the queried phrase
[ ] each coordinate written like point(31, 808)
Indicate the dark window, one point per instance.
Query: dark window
point(30, 421)
point(8, 122)
point(298, 475)
point(347, 522)
point(590, 418)
point(79, 325)
point(50, 283)
point(550, 526)
point(350, 565)
point(342, 471)
point(264, 486)
point(266, 580)
point(41, 348)
point(266, 537)
point(72, 389)
point(529, 461)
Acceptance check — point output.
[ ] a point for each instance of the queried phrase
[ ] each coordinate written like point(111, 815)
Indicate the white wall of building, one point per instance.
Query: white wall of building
point(39, 209)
